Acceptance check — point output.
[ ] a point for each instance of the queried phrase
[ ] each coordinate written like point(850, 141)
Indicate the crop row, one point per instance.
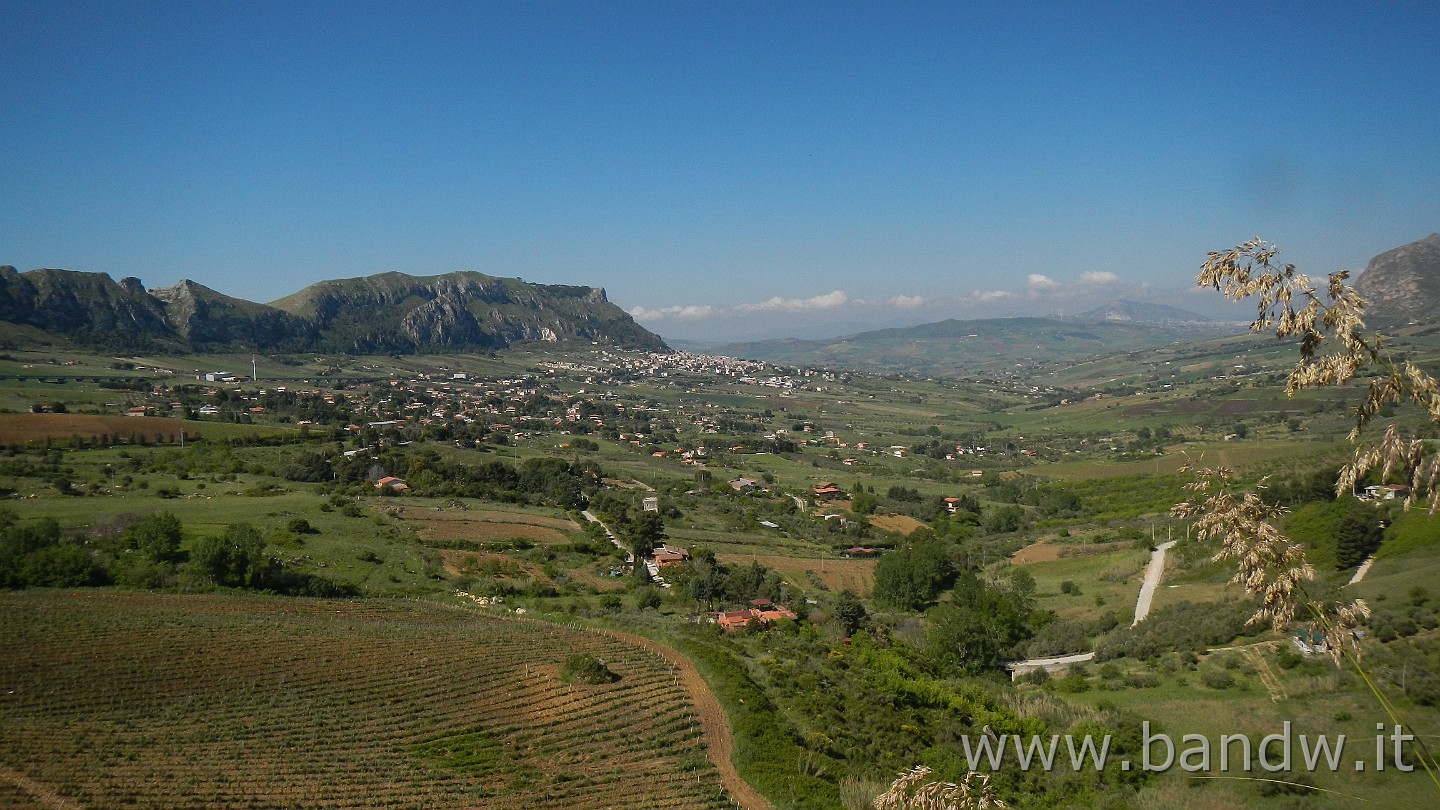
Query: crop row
point(139, 700)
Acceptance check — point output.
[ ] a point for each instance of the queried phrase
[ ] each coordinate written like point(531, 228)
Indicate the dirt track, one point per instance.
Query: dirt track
point(719, 742)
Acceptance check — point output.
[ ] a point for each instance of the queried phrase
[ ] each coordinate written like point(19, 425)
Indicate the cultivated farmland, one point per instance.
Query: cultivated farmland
point(118, 699)
point(857, 575)
point(441, 526)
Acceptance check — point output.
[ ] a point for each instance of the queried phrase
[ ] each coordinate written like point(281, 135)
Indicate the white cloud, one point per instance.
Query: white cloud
point(907, 301)
point(829, 300)
point(987, 296)
point(1098, 278)
point(677, 312)
point(1036, 284)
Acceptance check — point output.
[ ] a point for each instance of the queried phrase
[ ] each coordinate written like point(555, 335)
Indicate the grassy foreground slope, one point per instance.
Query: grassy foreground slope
point(122, 699)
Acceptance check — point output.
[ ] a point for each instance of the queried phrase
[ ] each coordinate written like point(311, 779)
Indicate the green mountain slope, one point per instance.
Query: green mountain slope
point(395, 312)
point(388, 313)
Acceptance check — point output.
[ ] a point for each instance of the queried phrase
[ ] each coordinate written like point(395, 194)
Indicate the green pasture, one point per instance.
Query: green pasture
point(1106, 582)
point(371, 551)
point(1317, 700)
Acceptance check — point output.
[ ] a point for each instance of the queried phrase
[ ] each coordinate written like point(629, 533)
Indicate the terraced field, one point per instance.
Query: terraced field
point(119, 699)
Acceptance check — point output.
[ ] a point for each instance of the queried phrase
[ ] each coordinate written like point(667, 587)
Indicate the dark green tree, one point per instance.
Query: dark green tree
point(1357, 532)
point(235, 558)
point(977, 629)
point(911, 577)
point(706, 578)
point(156, 535)
point(647, 532)
point(848, 611)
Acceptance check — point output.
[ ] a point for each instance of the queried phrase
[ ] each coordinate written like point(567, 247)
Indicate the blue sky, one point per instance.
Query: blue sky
point(723, 169)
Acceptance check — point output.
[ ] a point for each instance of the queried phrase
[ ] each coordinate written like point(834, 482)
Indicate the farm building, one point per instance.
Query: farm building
point(670, 555)
point(762, 612)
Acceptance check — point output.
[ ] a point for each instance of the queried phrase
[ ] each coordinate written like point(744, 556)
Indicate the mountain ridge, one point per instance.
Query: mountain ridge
point(391, 313)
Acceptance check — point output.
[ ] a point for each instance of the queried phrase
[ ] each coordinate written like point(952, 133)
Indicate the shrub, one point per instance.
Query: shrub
point(1217, 678)
point(1072, 684)
point(1035, 676)
point(584, 668)
point(1142, 680)
point(300, 525)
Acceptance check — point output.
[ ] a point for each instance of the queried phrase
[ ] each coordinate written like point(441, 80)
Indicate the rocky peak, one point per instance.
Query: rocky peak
point(1403, 285)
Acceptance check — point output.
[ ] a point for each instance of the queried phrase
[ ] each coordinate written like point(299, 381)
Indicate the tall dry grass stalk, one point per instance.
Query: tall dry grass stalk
point(910, 791)
point(1334, 348)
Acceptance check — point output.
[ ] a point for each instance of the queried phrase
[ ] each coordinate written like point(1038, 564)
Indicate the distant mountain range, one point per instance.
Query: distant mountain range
point(389, 313)
point(980, 347)
point(1135, 312)
point(1402, 287)
point(395, 313)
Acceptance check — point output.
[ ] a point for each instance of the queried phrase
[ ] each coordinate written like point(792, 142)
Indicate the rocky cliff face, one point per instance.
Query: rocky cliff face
point(90, 308)
point(394, 312)
point(212, 321)
point(386, 313)
point(1402, 285)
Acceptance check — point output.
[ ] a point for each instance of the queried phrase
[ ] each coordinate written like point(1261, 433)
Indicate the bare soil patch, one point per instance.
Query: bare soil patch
point(901, 524)
point(1036, 553)
point(497, 565)
point(19, 428)
point(1050, 552)
point(457, 524)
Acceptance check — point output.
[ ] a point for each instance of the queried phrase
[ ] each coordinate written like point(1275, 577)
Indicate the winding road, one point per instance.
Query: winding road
point(1154, 571)
point(629, 556)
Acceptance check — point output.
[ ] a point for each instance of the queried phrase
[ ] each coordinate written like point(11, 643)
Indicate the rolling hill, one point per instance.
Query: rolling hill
point(973, 347)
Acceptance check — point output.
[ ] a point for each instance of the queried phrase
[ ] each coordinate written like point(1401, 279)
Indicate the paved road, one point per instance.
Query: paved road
point(1362, 570)
point(1153, 572)
point(1050, 664)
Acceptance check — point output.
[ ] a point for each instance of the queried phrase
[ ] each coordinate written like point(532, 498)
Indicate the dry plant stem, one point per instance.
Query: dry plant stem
point(910, 791)
point(1269, 564)
point(1273, 567)
point(1427, 759)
